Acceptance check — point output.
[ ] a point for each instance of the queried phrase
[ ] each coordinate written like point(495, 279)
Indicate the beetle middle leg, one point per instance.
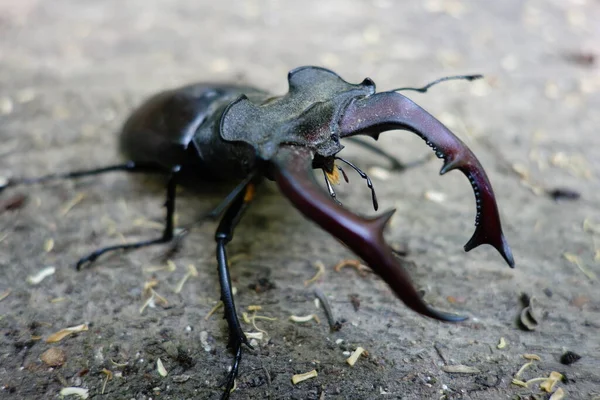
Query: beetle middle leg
point(167, 235)
point(223, 236)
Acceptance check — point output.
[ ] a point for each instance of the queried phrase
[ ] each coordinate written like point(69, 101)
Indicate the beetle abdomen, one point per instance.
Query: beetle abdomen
point(180, 127)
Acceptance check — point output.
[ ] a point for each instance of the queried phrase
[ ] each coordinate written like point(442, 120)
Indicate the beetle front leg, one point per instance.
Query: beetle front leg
point(223, 236)
point(167, 235)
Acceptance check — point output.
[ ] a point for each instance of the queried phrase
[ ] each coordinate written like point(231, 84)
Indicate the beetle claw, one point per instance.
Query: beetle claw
point(389, 110)
point(364, 236)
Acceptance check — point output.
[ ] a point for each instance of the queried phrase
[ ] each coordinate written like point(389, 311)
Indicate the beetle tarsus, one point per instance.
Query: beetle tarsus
point(166, 237)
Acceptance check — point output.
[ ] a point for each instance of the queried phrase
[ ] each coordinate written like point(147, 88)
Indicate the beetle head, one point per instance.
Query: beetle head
point(306, 116)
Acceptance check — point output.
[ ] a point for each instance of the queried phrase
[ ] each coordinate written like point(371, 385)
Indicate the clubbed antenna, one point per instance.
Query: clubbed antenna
point(366, 177)
point(446, 78)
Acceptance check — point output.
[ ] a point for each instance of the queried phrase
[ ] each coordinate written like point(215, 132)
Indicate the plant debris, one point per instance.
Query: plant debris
point(558, 395)
point(40, 276)
point(162, 371)
point(76, 391)
point(54, 357)
point(296, 379)
point(320, 272)
point(569, 358)
point(70, 204)
point(574, 259)
point(354, 356)
point(362, 269)
point(501, 344)
point(151, 296)
point(460, 369)
point(5, 294)
point(109, 376)
point(192, 272)
point(305, 318)
point(528, 317)
point(63, 333)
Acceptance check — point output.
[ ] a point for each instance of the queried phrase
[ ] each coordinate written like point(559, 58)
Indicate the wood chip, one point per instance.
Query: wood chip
point(304, 318)
point(529, 356)
point(460, 369)
point(548, 384)
point(354, 356)
point(502, 343)
point(296, 379)
point(558, 395)
point(162, 371)
point(320, 272)
point(40, 276)
point(75, 391)
point(63, 333)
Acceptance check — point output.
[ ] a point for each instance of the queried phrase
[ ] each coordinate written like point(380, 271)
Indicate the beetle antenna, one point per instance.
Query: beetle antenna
point(343, 173)
point(365, 177)
point(330, 188)
point(446, 78)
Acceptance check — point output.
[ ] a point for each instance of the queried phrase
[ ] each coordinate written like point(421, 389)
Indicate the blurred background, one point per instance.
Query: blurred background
point(70, 73)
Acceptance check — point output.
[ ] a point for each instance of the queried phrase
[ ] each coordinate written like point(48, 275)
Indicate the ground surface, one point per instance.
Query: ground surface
point(70, 72)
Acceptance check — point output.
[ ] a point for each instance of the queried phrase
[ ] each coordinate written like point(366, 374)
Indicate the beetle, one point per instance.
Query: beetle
point(227, 132)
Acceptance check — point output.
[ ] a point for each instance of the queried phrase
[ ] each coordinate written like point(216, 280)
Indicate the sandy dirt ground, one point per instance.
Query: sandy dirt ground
point(71, 71)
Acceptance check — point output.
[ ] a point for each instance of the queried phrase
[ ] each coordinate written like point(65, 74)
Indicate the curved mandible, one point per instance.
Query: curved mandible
point(389, 110)
point(293, 173)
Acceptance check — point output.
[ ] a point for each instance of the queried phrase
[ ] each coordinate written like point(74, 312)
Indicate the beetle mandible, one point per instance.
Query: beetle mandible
point(228, 132)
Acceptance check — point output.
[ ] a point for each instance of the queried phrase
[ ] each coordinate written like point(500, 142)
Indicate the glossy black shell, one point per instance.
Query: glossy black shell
point(181, 127)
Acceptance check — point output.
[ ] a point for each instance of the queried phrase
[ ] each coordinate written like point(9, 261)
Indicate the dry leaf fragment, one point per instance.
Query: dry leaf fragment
point(296, 379)
point(77, 391)
point(460, 369)
point(63, 333)
point(354, 356)
point(162, 371)
point(40, 276)
point(54, 357)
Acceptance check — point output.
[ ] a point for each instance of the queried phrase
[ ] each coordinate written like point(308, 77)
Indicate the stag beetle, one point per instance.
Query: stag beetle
point(227, 132)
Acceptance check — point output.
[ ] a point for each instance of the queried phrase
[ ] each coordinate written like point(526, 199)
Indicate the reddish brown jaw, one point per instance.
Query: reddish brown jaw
point(389, 110)
point(293, 173)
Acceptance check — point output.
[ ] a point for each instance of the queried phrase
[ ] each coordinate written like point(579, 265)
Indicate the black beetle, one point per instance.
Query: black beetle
point(220, 132)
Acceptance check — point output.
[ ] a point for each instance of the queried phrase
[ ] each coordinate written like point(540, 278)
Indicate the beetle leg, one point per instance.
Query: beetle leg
point(364, 236)
point(389, 110)
point(167, 235)
point(223, 236)
point(129, 166)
